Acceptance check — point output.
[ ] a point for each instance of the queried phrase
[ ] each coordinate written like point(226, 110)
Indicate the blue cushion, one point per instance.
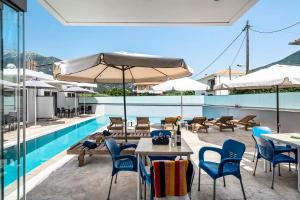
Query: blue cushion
point(90, 145)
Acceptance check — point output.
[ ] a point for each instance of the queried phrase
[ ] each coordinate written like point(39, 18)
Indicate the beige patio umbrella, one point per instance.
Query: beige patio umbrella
point(121, 68)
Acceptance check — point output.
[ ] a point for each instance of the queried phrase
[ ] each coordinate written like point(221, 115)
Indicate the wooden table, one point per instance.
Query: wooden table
point(286, 138)
point(146, 148)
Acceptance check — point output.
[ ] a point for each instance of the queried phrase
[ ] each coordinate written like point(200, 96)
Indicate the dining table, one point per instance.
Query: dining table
point(146, 148)
point(292, 139)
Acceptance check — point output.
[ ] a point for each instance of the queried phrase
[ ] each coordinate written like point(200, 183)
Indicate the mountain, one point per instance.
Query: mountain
point(293, 59)
point(44, 62)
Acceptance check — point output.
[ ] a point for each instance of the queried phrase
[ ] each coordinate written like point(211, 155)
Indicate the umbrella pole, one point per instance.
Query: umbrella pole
point(83, 104)
point(124, 102)
point(277, 108)
point(35, 93)
point(181, 106)
point(75, 103)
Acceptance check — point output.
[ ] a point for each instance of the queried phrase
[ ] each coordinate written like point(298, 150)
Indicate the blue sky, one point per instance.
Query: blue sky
point(198, 45)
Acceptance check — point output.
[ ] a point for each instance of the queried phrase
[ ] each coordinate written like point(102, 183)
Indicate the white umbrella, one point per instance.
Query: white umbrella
point(181, 84)
point(37, 84)
point(77, 89)
point(278, 76)
point(121, 68)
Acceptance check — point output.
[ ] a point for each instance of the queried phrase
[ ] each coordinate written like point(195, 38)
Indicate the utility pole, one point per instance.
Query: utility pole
point(247, 46)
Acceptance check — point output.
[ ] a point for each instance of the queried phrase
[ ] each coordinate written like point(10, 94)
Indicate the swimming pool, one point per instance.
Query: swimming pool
point(43, 148)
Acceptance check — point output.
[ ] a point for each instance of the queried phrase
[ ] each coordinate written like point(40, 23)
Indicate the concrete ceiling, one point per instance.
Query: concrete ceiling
point(147, 12)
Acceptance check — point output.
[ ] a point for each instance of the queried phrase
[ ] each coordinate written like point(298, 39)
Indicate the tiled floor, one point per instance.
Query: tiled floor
point(91, 181)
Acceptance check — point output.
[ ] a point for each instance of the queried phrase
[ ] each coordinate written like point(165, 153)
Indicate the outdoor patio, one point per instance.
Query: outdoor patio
point(92, 180)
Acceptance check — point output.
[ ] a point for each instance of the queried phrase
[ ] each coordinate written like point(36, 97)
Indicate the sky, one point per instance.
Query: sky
point(198, 45)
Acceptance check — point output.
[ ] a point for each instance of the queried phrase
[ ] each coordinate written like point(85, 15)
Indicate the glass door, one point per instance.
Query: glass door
point(12, 131)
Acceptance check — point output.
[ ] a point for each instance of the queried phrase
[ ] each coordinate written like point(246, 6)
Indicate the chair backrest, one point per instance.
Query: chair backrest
point(247, 118)
point(265, 148)
point(142, 120)
point(171, 120)
point(232, 149)
point(258, 130)
point(112, 147)
point(225, 119)
point(199, 120)
point(160, 132)
point(116, 120)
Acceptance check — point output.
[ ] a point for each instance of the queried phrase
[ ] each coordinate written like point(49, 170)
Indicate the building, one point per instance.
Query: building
point(146, 87)
point(295, 42)
point(217, 78)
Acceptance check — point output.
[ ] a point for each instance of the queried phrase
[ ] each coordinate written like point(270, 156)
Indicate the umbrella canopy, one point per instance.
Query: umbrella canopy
point(36, 83)
point(77, 89)
point(121, 68)
point(181, 84)
point(109, 67)
point(275, 76)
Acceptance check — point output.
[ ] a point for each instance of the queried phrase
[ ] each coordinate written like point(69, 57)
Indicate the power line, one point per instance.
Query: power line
point(275, 31)
point(220, 55)
point(238, 52)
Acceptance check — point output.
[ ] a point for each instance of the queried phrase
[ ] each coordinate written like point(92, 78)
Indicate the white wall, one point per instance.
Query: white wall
point(45, 107)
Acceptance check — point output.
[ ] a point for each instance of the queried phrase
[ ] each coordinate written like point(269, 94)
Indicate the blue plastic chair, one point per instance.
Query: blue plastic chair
point(158, 133)
point(146, 177)
point(267, 151)
point(231, 156)
point(120, 162)
point(258, 131)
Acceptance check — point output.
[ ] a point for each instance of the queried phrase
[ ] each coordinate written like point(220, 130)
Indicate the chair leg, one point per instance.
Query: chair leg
point(116, 178)
point(270, 169)
point(145, 191)
point(273, 176)
point(243, 189)
point(279, 174)
point(224, 181)
point(254, 155)
point(199, 177)
point(111, 180)
point(214, 195)
point(255, 166)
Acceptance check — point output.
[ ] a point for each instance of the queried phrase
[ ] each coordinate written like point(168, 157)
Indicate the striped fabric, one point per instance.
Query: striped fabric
point(172, 178)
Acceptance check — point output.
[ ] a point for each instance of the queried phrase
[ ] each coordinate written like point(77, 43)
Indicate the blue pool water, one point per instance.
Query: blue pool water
point(41, 149)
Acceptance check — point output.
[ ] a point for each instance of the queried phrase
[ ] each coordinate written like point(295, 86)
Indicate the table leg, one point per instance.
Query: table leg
point(138, 178)
point(298, 149)
point(265, 165)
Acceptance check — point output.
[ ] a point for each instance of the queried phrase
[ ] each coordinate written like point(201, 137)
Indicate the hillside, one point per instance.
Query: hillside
point(11, 57)
point(293, 59)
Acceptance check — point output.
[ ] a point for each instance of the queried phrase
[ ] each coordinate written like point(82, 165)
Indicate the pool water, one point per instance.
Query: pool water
point(43, 148)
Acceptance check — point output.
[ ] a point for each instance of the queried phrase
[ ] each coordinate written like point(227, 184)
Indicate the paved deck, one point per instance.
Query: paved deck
point(91, 182)
point(44, 127)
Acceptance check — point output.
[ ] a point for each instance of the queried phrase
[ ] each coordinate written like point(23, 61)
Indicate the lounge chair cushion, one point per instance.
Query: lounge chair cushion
point(90, 145)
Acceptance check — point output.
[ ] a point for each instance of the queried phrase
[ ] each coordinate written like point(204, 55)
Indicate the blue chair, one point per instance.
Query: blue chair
point(267, 151)
point(258, 131)
point(231, 156)
point(120, 162)
point(158, 133)
point(146, 177)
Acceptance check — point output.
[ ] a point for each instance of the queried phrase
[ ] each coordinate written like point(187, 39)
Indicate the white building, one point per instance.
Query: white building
point(217, 78)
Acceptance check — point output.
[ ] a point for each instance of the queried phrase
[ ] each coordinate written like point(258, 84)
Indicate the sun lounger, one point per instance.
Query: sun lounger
point(224, 122)
point(80, 150)
point(169, 121)
point(142, 124)
point(198, 123)
point(247, 121)
point(116, 124)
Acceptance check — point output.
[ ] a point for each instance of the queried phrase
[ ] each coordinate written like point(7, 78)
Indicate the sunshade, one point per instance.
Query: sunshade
point(181, 84)
point(121, 68)
point(77, 89)
point(37, 84)
point(278, 76)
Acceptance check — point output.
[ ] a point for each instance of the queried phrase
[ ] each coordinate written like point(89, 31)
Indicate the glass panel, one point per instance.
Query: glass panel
point(11, 101)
